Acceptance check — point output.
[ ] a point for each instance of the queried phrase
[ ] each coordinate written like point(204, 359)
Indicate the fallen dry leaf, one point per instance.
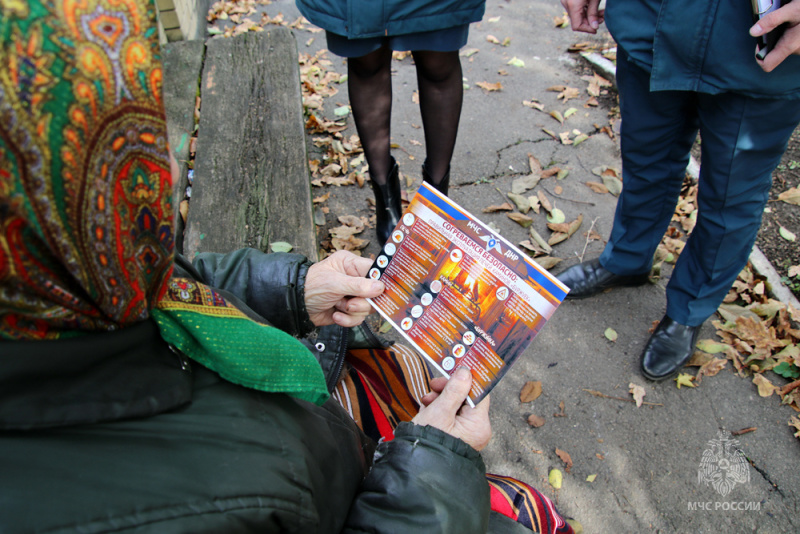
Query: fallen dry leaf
point(684, 379)
point(522, 220)
point(565, 457)
point(561, 412)
point(765, 387)
point(638, 393)
point(791, 196)
point(548, 262)
point(597, 187)
point(535, 421)
point(530, 391)
point(505, 206)
point(489, 87)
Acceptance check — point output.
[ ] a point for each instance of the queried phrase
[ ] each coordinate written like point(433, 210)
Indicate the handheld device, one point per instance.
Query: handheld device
point(767, 41)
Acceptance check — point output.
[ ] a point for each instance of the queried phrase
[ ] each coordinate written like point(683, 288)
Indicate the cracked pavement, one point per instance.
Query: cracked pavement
point(646, 459)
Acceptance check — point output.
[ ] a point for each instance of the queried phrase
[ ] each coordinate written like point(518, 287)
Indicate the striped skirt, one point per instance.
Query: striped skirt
point(382, 388)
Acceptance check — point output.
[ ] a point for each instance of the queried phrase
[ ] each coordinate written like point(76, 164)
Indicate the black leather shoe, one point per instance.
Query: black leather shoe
point(443, 184)
point(388, 207)
point(590, 278)
point(668, 349)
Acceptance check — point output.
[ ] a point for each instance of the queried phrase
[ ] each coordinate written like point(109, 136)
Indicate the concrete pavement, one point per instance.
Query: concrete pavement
point(646, 460)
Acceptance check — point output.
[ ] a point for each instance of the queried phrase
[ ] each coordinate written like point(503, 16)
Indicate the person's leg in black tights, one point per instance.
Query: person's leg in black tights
point(441, 93)
point(369, 83)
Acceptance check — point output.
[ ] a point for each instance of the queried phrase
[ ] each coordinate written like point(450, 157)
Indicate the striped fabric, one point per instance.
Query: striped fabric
point(382, 388)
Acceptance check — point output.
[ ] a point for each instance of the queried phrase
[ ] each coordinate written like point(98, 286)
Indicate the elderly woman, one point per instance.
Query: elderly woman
point(141, 392)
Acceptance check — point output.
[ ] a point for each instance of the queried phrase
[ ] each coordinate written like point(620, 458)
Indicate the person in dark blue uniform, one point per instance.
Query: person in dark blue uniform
point(683, 67)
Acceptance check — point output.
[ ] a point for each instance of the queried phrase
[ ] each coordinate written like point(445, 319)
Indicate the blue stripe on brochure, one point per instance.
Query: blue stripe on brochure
point(546, 283)
point(443, 205)
point(457, 215)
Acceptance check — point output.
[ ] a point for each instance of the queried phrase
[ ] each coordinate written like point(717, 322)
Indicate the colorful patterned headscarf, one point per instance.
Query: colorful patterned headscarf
point(86, 235)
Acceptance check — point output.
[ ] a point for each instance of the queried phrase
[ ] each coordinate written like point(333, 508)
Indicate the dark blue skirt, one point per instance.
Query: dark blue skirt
point(446, 40)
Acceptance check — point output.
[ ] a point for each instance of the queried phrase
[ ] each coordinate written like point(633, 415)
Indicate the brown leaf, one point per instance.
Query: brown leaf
point(552, 171)
point(530, 391)
point(522, 220)
point(183, 208)
point(489, 87)
point(710, 368)
point(344, 231)
point(744, 431)
point(567, 228)
point(548, 262)
point(791, 196)
point(492, 39)
point(505, 206)
point(531, 247)
point(544, 202)
point(352, 220)
point(557, 116)
point(535, 166)
point(597, 187)
point(565, 457)
point(535, 421)
point(765, 387)
point(569, 92)
point(322, 198)
point(561, 413)
point(533, 104)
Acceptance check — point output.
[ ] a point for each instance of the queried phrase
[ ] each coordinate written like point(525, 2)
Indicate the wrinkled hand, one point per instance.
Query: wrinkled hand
point(336, 290)
point(444, 409)
point(584, 15)
point(789, 43)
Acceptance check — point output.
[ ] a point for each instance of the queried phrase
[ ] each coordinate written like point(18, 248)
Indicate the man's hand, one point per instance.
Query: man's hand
point(789, 43)
point(336, 290)
point(584, 15)
point(444, 409)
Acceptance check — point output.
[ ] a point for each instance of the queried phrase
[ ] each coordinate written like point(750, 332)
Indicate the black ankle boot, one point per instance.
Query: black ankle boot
point(442, 185)
point(387, 203)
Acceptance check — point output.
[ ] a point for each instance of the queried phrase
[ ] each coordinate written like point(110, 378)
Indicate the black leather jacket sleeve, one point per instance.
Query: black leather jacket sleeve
point(272, 285)
point(424, 480)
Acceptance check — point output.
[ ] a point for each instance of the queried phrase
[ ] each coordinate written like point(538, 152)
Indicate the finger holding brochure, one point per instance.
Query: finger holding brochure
point(460, 294)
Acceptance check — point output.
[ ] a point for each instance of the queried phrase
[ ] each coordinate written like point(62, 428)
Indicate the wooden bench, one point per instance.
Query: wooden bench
point(251, 183)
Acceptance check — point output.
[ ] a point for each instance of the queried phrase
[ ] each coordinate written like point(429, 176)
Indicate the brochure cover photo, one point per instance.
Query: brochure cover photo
point(459, 293)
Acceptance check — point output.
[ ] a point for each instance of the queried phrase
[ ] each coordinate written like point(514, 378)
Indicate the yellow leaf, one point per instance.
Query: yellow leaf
point(765, 387)
point(684, 379)
point(492, 39)
point(610, 334)
point(555, 478)
point(591, 478)
point(557, 116)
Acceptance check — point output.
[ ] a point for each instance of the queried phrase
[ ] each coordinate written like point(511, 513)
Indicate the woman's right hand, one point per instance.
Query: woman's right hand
point(444, 408)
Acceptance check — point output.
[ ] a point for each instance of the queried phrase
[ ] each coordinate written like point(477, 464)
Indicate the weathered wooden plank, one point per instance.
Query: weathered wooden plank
point(183, 61)
point(251, 185)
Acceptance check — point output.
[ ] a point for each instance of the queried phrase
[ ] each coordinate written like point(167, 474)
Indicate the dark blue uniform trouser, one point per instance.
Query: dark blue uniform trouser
point(743, 139)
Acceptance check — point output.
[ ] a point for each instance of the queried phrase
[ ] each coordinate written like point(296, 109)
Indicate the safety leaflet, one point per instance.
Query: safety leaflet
point(459, 293)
